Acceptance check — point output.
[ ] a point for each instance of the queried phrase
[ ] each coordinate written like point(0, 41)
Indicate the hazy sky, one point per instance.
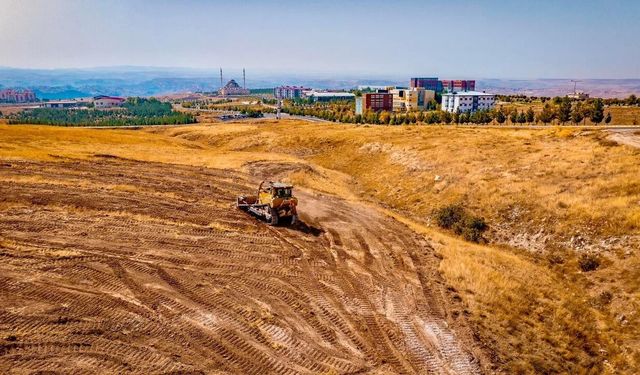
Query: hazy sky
point(458, 38)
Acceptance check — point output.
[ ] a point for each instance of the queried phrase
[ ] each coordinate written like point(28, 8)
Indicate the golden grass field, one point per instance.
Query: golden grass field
point(548, 195)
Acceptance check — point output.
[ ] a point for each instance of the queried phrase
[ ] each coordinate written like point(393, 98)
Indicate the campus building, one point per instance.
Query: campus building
point(431, 83)
point(17, 96)
point(450, 85)
point(103, 101)
point(288, 92)
point(374, 102)
point(412, 99)
point(467, 101)
point(578, 95)
point(445, 85)
point(63, 104)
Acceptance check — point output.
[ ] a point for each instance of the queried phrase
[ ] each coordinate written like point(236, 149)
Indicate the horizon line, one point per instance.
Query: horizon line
point(307, 74)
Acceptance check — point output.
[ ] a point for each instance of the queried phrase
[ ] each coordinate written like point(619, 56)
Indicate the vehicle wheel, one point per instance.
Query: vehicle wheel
point(294, 218)
point(274, 217)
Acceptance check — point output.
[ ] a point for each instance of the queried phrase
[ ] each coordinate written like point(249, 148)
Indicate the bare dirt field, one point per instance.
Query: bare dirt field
point(112, 265)
point(122, 251)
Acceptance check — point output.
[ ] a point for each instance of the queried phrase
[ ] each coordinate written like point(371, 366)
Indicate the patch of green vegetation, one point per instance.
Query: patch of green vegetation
point(455, 217)
point(589, 262)
point(135, 111)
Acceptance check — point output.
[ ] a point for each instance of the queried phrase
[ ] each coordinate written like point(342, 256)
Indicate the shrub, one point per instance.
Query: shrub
point(471, 228)
point(449, 215)
point(455, 217)
point(589, 262)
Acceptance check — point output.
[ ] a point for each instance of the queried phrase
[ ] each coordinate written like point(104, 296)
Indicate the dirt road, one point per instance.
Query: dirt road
point(629, 137)
point(112, 266)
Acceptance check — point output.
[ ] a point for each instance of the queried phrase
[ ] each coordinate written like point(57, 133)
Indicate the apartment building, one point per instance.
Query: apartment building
point(467, 101)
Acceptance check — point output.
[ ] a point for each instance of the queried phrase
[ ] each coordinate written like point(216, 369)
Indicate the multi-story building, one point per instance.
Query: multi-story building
point(374, 102)
point(430, 83)
point(288, 92)
point(445, 85)
point(412, 99)
point(17, 96)
point(449, 85)
point(467, 101)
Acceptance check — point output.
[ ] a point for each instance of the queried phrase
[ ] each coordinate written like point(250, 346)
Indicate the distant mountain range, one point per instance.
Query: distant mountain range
point(143, 81)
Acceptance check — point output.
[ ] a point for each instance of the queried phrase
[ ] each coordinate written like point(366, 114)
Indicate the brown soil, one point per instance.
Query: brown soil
point(111, 265)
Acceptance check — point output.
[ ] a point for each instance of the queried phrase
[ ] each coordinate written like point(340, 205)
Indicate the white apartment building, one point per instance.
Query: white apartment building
point(467, 101)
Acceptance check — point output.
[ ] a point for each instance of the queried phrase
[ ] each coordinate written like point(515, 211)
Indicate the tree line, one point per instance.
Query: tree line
point(561, 110)
point(135, 111)
point(631, 100)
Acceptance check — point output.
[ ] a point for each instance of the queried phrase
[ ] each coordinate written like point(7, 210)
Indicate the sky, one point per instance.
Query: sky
point(390, 38)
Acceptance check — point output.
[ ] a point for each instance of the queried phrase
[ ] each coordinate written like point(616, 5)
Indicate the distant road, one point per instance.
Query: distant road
point(286, 116)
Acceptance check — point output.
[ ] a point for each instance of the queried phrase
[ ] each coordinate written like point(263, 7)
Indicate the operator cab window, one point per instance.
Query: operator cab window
point(283, 193)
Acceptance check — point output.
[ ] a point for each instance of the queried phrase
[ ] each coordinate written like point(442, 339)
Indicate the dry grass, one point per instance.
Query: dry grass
point(623, 115)
point(552, 193)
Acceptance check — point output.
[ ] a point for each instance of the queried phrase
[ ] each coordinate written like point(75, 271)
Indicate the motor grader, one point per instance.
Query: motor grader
point(274, 202)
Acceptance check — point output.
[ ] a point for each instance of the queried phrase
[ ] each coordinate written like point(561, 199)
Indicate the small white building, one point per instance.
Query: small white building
point(103, 101)
point(467, 101)
point(579, 95)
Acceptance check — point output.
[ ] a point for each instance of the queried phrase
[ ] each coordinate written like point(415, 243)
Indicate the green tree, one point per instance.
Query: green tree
point(547, 114)
point(445, 117)
point(608, 118)
point(530, 115)
point(564, 110)
point(435, 117)
point(596, 114)
point(385, 117)
point(500, 116)
point(513, 117)
point(631, 100)
point(577, 114)
point(522, 118)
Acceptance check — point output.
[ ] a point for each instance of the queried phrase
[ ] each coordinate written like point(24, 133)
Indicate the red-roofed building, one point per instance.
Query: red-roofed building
point(458, 85)
point(103, 101)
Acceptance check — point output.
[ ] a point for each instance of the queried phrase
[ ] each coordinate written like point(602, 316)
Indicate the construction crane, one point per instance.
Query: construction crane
point(574, 86)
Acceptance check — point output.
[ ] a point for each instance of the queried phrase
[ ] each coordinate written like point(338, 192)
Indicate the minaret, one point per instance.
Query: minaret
point(220, 77)
point(244, 80)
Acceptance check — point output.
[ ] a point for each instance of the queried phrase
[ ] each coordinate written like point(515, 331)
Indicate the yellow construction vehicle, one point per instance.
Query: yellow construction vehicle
point(274, 202)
